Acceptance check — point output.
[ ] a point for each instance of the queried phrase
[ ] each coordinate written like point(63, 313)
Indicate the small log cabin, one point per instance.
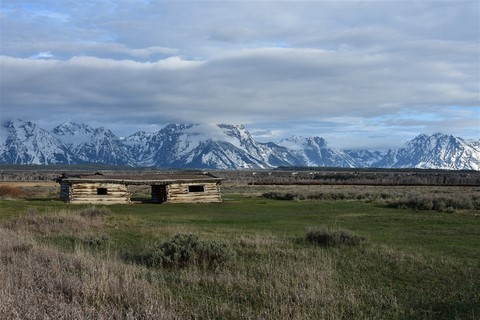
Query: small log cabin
point(101, 188)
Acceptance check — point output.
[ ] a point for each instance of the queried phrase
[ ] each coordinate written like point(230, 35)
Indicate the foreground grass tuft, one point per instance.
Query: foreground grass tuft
point(324, 236)
point(41, 282)
point(94, 211)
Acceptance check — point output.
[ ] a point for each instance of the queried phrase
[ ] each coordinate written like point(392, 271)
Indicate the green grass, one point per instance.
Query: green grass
point(455, 235)
point(416, 264)
point(439, 234)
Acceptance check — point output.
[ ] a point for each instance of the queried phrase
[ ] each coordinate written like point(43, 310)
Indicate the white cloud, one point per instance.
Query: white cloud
point(245, 62)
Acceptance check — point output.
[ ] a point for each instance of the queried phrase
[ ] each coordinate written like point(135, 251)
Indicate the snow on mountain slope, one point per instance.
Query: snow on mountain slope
point(26, 143)
point(91, 145)
point(436, 151)
point(160, 148)
point(72, 133)
point(222, 146)
point(365, 158)
point(211, 146)
point(314, 151)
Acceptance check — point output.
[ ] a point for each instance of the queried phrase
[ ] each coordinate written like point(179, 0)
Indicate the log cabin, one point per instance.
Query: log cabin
point(102, 188)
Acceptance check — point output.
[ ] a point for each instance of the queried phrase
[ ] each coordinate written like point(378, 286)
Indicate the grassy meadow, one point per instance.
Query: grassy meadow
point(252, 258)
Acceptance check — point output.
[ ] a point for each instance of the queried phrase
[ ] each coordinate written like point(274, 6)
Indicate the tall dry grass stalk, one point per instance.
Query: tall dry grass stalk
point(61, 222)
point(40, 282)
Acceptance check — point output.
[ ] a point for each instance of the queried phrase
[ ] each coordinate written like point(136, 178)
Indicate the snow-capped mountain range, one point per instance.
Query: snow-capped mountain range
point(222, 146)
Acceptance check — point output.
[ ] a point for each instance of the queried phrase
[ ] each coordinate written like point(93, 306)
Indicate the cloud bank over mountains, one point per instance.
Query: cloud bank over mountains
point(368, 70)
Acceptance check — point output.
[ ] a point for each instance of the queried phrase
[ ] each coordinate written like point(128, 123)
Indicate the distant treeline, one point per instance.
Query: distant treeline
point(12, 172)
point(340, 169)
point(279, 176)
point(355, 177)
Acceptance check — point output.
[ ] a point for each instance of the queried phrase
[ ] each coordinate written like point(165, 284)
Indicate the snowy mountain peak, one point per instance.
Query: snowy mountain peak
point(300, 140)
point(93, 145)
point(26, 143)
point(72, 133)
point(314, 151)
point(223, 146)
point(72, 128)
point(436, 151)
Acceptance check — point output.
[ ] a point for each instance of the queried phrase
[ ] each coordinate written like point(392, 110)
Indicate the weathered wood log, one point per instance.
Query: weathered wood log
point(180, 193)
point(112, 191)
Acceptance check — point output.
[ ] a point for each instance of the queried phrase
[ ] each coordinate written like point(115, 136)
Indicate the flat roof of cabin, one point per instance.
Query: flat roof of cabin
point(139, 178)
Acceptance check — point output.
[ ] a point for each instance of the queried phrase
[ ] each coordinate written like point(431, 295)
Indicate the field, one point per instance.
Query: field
point(252, 256)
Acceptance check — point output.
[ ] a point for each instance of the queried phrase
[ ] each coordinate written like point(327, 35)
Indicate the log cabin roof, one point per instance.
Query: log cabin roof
point(157, 178)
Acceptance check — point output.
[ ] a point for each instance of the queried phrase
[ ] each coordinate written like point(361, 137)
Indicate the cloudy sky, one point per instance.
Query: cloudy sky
point(358, 73)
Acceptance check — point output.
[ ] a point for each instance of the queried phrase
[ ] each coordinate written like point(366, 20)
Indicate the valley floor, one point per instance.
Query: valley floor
point(60, 261)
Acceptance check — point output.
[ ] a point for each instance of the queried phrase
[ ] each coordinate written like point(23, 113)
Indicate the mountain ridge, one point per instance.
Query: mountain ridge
point(222, 146)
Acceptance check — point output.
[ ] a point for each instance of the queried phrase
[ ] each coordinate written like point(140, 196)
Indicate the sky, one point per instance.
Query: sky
point(361, 74)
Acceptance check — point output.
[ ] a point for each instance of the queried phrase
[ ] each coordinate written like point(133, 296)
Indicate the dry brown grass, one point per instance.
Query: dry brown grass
point(10, 192)
point(28, 190)
point(61, 222)
point(40, 282)
point(350, 191)
point(31, 183)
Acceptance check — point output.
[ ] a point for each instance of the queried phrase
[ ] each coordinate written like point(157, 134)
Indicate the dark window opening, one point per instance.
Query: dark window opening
point(196, 189)
point(102, 191)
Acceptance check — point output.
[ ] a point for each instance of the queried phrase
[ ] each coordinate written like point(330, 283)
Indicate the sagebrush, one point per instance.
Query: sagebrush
point(187, 249)
point(437, 203)
point(325, 236)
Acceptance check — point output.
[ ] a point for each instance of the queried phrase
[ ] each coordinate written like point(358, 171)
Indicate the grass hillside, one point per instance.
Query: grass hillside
point(250, 257)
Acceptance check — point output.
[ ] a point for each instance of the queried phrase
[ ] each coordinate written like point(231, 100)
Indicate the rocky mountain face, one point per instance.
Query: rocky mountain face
point(221, 146)
point(89, 145)
point(314, 151)
point(197, 146)
point(436, 151)
point(23, 142)
point(365, 158)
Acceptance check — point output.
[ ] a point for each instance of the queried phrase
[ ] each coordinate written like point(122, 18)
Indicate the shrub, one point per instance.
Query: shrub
point(186, 250)
point(324, 236)
point(95, 240)
point(279, 196)
point(437, 203)
point(330, 196)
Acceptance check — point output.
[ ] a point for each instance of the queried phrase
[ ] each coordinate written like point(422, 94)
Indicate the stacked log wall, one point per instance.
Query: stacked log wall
point(178, 193)
point(87, 193)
